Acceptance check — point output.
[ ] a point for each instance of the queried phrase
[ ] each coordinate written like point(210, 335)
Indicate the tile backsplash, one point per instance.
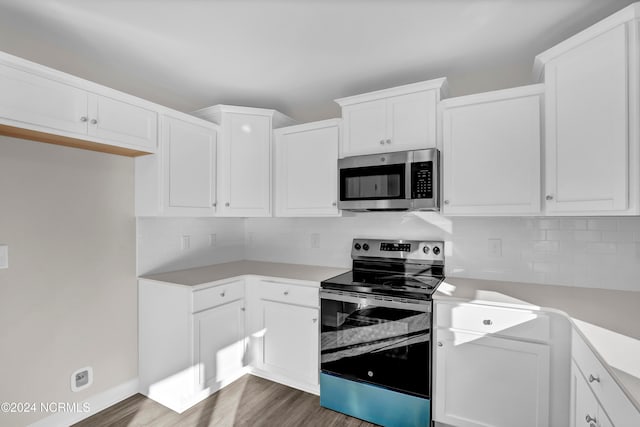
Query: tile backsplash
point(584, 252)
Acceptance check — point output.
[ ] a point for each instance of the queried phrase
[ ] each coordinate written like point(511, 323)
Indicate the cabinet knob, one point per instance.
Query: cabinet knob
point(242, 308)
point(83, 119)
point(315, 319)
point(286, 292)
point(94, 121)
point(592, 379)
point(590, 419)
point(487, 322)
point(227, 204)
point(388, 141)
point(223, 293)
point(549, 197)
point(382, 142)
point(439, 343)
point(334, 204)
point(214, 204)
point(446, 202)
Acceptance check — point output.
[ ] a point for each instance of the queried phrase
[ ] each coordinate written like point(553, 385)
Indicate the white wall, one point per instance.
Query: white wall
point(69, 297)
point(585, 252)
point(160, 245)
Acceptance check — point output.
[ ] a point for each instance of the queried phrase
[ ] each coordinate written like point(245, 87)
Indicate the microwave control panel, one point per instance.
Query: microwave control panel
point(422, 180)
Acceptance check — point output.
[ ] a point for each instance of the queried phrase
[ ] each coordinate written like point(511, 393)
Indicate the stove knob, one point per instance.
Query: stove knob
point(425, 249)
point(436, 250)
point(357, 246)
point(365, 247)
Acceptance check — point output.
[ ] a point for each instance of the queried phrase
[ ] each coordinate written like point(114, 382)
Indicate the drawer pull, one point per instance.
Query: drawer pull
point(315, 319)
point(590, 419)
point(592, 379)
point(223, 293)
point(286, 292)
point(439, 343)
point(242, 309)
point(487, 322)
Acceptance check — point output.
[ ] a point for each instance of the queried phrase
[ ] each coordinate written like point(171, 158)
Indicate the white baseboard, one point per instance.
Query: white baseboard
point(96, 404)
point(286, 381)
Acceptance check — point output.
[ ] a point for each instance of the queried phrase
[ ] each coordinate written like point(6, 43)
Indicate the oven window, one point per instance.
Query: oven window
point(373, 183)
point(379, 345)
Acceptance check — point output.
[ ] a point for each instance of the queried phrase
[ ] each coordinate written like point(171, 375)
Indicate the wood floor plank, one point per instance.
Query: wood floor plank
point(248, 402)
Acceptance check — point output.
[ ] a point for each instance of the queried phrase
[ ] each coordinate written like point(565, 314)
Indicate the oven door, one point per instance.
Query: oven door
point(375, 182)
point(377, 341)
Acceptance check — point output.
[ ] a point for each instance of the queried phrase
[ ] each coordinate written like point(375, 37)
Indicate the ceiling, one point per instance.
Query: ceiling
point(292, 55)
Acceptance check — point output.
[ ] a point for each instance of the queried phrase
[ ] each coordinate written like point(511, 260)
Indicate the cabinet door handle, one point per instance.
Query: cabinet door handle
point(446, 202)
point(382, 142)
point(487, 322)
point(286, 292)
point(549, 197)
point(439, 343)
point(592, 378)
point(214, 204)
point(94, 121)
point(334, 204)
point(83, 119)
point(241, 308)
point(227, 204)
point(590, 419)
point(223, 293)
point(388, 141)
point(315, 319)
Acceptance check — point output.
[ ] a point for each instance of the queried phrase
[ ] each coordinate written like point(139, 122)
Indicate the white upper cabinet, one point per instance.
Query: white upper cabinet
point(181, 179)
point(244, 158)
point(396, 119)
point(592, 116)
point(45, 105)
point(491, 148)
point(305, 163)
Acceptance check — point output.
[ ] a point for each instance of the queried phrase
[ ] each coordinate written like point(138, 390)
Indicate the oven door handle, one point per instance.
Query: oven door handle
point(422, 306)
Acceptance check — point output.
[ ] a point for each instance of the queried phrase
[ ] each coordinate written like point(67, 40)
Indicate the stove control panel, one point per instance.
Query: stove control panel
point(417, 250)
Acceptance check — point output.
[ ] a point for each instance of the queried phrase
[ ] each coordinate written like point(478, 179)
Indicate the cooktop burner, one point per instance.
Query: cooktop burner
point(398, 268)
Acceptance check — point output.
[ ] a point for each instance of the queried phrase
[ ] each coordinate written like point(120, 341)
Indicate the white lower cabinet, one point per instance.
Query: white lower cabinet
point(585, 409)
point(285, 316)
point(192, 342)
point(490, 378)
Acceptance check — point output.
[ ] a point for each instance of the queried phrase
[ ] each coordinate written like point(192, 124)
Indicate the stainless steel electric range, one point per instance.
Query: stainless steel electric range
point(375, 342)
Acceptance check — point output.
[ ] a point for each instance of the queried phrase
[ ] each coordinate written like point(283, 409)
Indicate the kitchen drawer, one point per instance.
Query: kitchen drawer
point(613, 400)
point(218, 295)
point(485, 319)
point(288, 293)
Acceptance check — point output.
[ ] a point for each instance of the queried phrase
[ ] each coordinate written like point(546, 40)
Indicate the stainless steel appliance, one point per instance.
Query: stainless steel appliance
point(375, 342)
point(405, 180)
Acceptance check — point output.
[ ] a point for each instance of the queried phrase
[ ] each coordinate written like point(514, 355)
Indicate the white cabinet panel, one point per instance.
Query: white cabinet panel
point(290, 342)
point(189, 152)
point(219, 344)
point(120, 121)
point(40, 102)
point(487, 381)
point(587, 112)
point(491, 147)
point(412, 121)
point(306, 158)
point(365, 127)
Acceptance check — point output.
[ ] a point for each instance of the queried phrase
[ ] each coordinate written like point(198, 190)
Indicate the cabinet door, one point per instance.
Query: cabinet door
point(412, 121)
point(42, 104)
point(491, 157)
point(365, 128)
point(189, 154)
point(306, 172)
point(245, 165)
point(487, 381)
point(290, 341)
point(584, 406)
point(587, 167)
point(219, 344)
point(121, 122)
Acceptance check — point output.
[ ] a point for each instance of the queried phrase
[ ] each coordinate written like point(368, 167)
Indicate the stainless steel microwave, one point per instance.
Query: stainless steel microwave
point(405, 180)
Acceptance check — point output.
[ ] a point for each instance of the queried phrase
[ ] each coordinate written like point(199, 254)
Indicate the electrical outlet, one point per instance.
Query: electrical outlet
point(185, 242)
point(212, 240)
point(4, 256)
point(82, 378)
point(315, 240)
point(495, 248)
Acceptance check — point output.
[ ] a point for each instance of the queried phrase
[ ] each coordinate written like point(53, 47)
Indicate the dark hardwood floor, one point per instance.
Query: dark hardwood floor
point(249, 401)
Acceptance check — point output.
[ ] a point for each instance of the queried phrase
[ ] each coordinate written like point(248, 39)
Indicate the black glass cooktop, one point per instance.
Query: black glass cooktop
point(385, 283)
